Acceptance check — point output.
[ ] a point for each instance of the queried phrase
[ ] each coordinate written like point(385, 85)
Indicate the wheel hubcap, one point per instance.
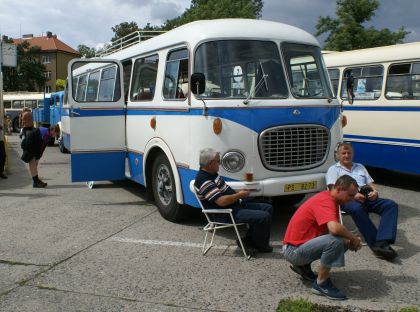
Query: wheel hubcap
point(164, 184)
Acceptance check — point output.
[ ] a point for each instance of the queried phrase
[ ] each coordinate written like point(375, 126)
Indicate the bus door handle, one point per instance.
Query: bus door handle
point(73, 113)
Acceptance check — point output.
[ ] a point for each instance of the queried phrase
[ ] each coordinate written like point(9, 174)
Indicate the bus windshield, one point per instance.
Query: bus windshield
point(307, 74)
point(241, 69)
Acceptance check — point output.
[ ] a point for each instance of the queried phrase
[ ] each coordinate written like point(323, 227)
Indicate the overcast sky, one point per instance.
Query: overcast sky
point(89, 22)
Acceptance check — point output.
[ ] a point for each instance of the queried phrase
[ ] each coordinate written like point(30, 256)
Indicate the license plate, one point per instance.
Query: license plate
point(294, 187)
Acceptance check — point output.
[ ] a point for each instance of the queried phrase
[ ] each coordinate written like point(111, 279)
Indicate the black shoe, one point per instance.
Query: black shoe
point(381, 249)
point(304, 271)
point(267, 248)
point(249, 248)
point(3, 176)
point(39, 184)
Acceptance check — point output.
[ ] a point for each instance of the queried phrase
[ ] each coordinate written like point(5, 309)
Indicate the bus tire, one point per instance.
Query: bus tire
point(61, 146)
point(164, 189)
point(15, 125)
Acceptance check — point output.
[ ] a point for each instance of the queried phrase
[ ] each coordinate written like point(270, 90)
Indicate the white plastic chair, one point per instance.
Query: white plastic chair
point(213, 226)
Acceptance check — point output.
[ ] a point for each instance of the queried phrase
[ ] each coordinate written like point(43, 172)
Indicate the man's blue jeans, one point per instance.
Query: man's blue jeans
point(386, 208)
point(258, 216)
point(328, 248)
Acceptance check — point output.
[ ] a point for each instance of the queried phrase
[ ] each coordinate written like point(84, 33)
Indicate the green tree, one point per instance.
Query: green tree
point(213, 9)
point(60, 84)
point(86, 51)
point(124, 29)
point(347, 32)
point(29, 73)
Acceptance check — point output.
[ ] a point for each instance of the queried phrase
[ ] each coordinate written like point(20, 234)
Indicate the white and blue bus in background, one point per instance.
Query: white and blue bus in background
point(383, 124)
point(14, 102)
point(257, 91)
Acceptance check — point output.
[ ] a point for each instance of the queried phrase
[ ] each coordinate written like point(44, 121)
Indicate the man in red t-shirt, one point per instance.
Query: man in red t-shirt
point(314, 232)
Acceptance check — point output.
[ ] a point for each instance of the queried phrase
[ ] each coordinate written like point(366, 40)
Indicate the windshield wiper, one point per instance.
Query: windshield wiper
point(262, 81)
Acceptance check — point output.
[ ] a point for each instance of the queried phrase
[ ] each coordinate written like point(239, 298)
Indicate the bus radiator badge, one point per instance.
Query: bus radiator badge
point(296, 112)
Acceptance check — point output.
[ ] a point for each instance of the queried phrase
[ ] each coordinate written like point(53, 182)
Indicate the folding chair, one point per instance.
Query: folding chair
point(213, 226)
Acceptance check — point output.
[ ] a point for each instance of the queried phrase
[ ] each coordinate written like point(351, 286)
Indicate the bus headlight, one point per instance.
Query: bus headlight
point(233, 161)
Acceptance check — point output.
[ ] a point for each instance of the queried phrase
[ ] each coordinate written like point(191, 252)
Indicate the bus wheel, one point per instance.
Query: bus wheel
point(164, 189)
point(63, 149)
point(15, 125)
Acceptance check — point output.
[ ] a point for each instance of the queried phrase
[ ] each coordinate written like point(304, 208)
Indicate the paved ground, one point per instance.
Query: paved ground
point(68, 248)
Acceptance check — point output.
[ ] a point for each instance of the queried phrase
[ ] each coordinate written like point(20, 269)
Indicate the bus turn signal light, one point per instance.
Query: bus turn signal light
point(153, 123)
point(217, 126)
point(343, 121)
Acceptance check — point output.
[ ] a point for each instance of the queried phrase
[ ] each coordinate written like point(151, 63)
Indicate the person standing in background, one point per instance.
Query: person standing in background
point(33, 145)
point(2, 154)
point(25, 121)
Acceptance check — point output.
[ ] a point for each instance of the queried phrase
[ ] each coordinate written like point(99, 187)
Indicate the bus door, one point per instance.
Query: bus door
point(97, 120)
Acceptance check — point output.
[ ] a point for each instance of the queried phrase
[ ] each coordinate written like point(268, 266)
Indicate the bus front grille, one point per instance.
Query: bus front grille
point(294, 147)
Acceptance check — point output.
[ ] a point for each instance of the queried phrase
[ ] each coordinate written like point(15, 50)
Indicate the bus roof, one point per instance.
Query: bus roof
point(23, 95)
point(392, 53)
point(233, 28)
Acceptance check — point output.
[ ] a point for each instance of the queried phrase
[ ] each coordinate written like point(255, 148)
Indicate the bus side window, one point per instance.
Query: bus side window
point(92, 87)
point(367, 82)
point(176, 75)
point(335, 77)
point(403, 81)
point(127, 65)
point(109, 90)
point(144, 78)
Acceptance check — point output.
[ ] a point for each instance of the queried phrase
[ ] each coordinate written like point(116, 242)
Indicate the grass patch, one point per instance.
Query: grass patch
point(295, 305)
point(409, 309)
point(303, 305)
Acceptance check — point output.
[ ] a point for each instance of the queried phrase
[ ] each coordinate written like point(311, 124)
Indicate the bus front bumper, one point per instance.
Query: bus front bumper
point(280, 186)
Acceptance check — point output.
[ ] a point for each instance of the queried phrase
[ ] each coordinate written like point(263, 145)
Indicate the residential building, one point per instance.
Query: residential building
point(55, 55)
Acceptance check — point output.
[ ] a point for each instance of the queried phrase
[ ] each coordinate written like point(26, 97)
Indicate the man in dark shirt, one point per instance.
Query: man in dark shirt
point(215, 193)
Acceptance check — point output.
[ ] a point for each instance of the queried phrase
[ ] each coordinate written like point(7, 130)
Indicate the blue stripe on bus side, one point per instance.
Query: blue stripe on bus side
point(391, 157)
point(383, 108)
point(98, 112)
point(372, 138)
point(262, 118)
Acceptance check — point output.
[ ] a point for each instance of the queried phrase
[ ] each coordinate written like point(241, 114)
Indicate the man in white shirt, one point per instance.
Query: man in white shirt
point(366, 201)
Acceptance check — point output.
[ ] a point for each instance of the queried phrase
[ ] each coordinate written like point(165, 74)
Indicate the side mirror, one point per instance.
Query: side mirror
point(198, 83)
point(349, 89)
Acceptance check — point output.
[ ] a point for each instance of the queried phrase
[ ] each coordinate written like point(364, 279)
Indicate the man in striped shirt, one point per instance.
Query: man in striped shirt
point(215, 193)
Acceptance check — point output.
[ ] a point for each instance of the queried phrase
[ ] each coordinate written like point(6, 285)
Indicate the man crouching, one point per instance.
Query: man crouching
point(314, 232)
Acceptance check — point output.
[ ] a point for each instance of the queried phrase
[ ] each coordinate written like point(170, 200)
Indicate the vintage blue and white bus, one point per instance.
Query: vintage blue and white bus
point(267, 106)
point(383, 121)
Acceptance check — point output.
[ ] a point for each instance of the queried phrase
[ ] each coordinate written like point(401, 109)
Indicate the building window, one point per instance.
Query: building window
point(47, 89)
point(47, 75)
point(46, 59)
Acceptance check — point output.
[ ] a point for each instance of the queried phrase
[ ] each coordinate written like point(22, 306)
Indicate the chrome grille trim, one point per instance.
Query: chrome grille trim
point(294, 147)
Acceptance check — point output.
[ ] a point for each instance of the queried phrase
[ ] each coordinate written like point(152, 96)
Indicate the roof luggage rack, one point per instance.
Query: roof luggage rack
point(128, 41)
